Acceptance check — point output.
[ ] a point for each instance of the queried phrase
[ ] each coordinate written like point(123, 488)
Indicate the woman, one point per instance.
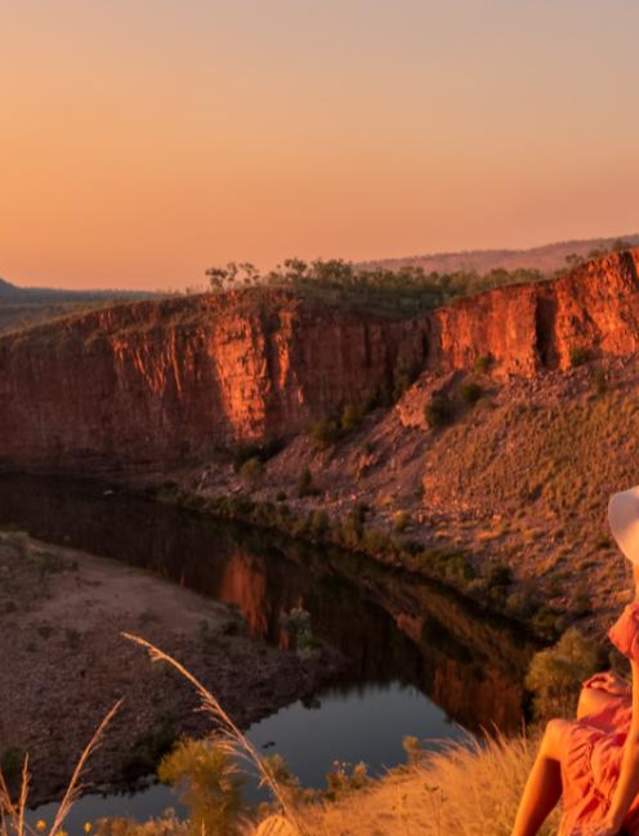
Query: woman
point(592, 763)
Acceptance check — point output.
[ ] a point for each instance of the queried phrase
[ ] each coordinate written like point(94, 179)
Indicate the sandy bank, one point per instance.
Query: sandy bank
point(64, 663)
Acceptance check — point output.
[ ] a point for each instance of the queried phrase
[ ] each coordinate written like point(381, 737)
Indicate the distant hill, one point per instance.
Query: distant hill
point(547, 259)
point(21, 307)
point(12, 293)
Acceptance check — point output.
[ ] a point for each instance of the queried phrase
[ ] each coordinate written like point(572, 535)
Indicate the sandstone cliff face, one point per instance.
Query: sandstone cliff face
point(152, 383)
point(527, 328)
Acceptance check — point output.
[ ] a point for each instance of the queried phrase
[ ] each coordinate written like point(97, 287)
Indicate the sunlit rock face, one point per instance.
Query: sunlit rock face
point(156, 382)
point(153, 383)
point(528, 328)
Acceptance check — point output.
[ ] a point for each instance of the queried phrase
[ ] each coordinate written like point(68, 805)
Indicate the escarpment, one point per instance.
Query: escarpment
point(150, 384)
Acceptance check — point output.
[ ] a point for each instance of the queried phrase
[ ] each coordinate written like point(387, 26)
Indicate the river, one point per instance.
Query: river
point(422, 662)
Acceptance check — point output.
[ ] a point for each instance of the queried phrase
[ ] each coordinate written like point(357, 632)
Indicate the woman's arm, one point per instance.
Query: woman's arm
point(628, 783)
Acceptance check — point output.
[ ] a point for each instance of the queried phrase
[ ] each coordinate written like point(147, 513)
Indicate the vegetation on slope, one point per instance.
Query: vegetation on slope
point(403, 292)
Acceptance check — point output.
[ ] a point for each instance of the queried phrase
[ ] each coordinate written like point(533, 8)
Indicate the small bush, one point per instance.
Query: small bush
point(483, 363)
point(579, 355)
point(446, 564)
point(351, 417)
point(209, 783)
point(405, 374)
point(401, 520)
point(280, 496)
point(341, 781)
point(305, 484)
point(318, 523)
point(499, 574)
point(352, 530)
point(522, 604)
point(555, 674)
point(439, 411)
point(252, 470)
point(281, 772)
point(415, 752)
point(471, 392)
point(582, 603)
point(375, 542)
point(325, 433)
point(547, 622)
point(262, 452)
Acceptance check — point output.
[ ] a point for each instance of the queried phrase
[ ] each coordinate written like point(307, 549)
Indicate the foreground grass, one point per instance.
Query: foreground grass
point(470, 788)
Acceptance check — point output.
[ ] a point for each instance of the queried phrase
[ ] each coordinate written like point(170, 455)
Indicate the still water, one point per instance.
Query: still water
point(421, 662)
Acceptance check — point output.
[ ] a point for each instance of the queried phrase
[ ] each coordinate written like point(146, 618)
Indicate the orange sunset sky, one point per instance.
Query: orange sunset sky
point(144, 140)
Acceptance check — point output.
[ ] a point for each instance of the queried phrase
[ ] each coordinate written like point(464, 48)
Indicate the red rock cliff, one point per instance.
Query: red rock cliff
point(157, 382)
point(150, 383)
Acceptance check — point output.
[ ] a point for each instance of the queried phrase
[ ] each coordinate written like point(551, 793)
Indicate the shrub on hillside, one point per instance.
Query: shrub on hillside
point(450, 565)
point(351, 417)
point(483, 363)
point(471, 392)
point(439, 411)
point(499, 574)
point(579, 355)
point(318, 523)
point(261, 452)
point(522, 604)
point(352, 530)
point(401, 519)
point(325, 432)
point(555, 675)
point(405, 374)
point(581, 604)
point(252, 470)
point(305, 484)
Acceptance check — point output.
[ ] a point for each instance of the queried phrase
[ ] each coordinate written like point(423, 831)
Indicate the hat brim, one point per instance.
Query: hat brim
point(623, 518)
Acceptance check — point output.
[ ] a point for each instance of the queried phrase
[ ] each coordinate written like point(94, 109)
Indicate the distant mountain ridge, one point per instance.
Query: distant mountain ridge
point(547, 258)
point(11, 293)
point(21, 307)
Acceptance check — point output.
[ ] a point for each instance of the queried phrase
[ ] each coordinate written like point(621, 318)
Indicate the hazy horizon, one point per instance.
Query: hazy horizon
point(144, 146)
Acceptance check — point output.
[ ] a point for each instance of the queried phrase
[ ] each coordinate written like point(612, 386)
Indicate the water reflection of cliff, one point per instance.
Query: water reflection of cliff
point(391, 627)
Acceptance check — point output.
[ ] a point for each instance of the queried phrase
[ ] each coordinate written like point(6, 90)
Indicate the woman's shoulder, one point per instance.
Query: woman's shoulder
point(624, 633)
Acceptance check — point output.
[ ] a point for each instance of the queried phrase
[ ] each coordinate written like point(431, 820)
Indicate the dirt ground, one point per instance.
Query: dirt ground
point(63, 663)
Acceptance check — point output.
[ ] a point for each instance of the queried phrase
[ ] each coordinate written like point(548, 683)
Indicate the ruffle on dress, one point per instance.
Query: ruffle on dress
point(624, 633)
point(593, 749)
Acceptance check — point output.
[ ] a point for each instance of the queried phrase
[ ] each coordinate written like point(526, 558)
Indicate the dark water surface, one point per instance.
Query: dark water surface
point(422, 662)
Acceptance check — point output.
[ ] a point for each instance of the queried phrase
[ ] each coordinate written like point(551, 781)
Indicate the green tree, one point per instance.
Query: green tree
point(555, 674)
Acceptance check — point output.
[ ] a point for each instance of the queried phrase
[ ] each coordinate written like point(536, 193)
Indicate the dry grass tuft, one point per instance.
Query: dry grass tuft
point(228, 734)
point(12, 813)
point(470, 788)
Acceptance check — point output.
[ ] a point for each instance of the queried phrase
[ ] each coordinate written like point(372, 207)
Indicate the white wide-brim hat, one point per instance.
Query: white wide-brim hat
point(623, 518)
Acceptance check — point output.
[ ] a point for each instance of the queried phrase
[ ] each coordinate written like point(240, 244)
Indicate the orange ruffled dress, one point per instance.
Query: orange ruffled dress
point(594, 746)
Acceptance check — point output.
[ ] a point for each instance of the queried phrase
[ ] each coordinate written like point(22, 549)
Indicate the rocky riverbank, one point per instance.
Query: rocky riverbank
point(64, 663)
